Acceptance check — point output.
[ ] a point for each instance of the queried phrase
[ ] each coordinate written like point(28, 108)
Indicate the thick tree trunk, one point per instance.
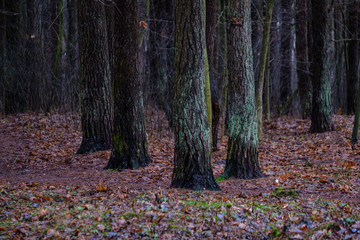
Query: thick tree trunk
point(353, 55)
point(242, 155)
point(321, 105)
point(192, 161)
point(303, 58)
point(94, 77)
point(130, 149)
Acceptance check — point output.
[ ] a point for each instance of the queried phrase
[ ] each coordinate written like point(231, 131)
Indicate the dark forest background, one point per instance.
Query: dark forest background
point(39, 60)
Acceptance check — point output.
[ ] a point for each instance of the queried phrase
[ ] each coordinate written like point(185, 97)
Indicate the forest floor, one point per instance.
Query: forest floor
point(311, 188)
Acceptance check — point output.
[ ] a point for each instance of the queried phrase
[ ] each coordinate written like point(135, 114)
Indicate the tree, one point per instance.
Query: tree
point(303, 58)
point(262, 66)
point(94, 77)
point(353, 54)
point(15, 90)
point(242, 154)
point(192, 166)
point(321, 103)
point(129, 149)
point(286, 46)
point(211, 18)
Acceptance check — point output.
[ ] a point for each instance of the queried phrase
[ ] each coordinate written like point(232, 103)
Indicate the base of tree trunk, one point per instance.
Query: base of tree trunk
point(128, 159)
point(242, 163)
point(196, 182)
point(92, 146)
point(321, 124)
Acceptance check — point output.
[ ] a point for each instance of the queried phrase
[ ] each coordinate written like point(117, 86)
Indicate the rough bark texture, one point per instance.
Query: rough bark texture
point(2, 57)
point(257, 23)
point(242, 155)
point(321, 106)
point(130, 149)
point(211, 17)
point(192, 161)
point(353, 55)
point(94, 77)
point(286, 36)
point(303, 58)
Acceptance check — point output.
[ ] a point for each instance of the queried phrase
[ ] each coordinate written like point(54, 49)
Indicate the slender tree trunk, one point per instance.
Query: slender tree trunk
point(303, 57)
point(192, 161)
point(257, 24)
point(286, 36)
point(267, 112)
point(211, 18)
point(321, 106)
point(94, 77)
point(2, 57)
point(263, 59)
point(353, 54)
point(15, 25)
point(160, 40)
point(242, 155)
point(130, 149)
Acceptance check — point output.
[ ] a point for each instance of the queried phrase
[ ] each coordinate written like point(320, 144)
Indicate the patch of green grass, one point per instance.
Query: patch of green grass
point(284, 192)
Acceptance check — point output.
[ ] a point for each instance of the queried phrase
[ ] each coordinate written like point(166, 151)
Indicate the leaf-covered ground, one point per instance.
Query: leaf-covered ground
point(311, 189)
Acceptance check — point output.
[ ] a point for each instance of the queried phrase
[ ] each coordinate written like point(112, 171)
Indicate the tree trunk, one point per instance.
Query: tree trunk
point(94, 77)
point(262, 67)
point(257, 23)
point(242, 155)
point(15, 25)
point(2, 57)
point(286, 36)
point(303, 58)
point(353, 54)
point(192, 161)
point(161, 33)
point(130, 149)
point(321, 106)
point(211, 17)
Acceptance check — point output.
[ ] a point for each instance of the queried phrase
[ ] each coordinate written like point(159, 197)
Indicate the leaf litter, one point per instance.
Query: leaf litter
point(311, 189)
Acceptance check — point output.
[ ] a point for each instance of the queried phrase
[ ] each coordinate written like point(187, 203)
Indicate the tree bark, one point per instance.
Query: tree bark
point(242, 155)
point(192, 161)
point(303, 58)
point(321, 104)
point(130, 149)
point(94, 77)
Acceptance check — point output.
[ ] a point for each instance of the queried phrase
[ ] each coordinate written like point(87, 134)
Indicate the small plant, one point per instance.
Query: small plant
point(284, 192)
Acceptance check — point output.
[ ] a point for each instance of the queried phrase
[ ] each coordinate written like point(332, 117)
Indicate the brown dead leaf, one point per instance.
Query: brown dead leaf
point(101, 188)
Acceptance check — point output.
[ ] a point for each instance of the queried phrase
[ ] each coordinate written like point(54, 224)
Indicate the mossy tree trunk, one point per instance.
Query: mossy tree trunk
point(352, 75)
point(192, 161)
point(94, 77)
point(242, 155)
point(321, 104)
point(302, 57)
point(130, 148)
